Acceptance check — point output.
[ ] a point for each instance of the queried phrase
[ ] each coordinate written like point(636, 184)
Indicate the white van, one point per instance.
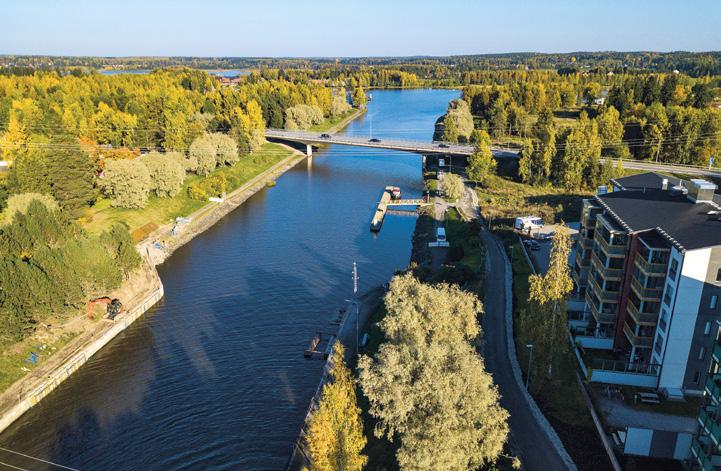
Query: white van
point(526, 222)
point(441, 234)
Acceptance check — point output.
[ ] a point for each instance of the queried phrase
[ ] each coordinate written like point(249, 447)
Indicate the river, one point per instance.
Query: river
point(214, 377)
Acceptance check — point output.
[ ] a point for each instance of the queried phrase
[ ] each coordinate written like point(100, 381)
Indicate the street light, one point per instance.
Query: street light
point(530, 357)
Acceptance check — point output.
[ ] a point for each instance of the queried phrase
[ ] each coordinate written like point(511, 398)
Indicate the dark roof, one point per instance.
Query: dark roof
point(644, 180)
point(680, 221)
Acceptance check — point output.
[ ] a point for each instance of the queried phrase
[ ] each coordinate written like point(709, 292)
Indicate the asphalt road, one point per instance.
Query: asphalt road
point(529, 440)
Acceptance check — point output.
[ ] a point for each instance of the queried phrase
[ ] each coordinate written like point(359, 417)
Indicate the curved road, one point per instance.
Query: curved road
point(529, 440)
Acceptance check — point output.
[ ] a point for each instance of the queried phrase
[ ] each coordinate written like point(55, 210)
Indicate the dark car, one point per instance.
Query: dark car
point(532, 244)
point(375, 139)
point(325, 136)
point(443, 146)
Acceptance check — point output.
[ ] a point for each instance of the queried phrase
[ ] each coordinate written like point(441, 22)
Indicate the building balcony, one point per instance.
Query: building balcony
point(580, 261)
point(606, 273)
point(586, 243)
point(601, 317)
point(709, 422)
point(652, 269)
point(716, 351)
point(647, 294)
point(638, 341)
point(611, 250)
point(605, 296)
point(578, 279)
point(702, 458)
point(713, 387)
point(641, 318)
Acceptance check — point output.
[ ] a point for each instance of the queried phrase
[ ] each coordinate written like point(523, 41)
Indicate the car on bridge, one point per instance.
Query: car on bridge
point(325, 136)
point(375, 139)
point(443, 145)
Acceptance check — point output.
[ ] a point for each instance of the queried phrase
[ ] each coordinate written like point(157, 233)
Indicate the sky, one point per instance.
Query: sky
point(352, 28)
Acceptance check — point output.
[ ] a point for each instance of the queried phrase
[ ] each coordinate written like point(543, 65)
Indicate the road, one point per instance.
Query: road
point(529, 439)
point(394, 144)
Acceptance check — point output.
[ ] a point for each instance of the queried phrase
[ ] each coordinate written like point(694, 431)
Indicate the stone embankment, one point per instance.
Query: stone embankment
point(139, 293)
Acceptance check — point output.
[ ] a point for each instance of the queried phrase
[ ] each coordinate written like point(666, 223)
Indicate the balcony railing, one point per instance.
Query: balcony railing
point(716, 352)
point(580, 281)
point(643, 318)
point(580, 261)
point(586, 243)
point(612, 250)
point(713, 387)
point(710, 424)
point(702, 459)
point(650, 268)
point(651, 294)
point(601, 317)
point(623, 366)
point(607, 273)
point(637, 340)
point(604, 295)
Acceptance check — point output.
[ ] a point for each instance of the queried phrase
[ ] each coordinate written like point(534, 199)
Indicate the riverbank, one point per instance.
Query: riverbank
point(333, 125)
point(139, 293)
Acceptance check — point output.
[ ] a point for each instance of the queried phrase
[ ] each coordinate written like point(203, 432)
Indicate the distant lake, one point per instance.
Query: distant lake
point(219, 72)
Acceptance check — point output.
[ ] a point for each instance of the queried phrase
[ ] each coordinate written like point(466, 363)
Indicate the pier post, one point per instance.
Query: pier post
point(309, 150)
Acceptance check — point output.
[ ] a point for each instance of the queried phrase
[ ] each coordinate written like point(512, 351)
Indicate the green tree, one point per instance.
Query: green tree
point(453, 186)
point(335, 433)
point(203, 151)
point(71, 173)
point(547, 296)
point(127, 182)
point(427, 385)
point(481, 163)
point(119, 244)
point(610, 129)
point(166, 174)
point(21, 201)
point(359, 98)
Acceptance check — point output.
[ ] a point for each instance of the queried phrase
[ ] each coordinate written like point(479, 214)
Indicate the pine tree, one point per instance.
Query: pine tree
point(71, 173)
point(335, 434)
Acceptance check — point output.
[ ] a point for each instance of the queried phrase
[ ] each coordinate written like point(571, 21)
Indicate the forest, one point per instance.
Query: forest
point(564, 123)
point(71, 140)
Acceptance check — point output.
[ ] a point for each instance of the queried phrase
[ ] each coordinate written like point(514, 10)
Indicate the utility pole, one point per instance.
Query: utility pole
point(370, 117)
point(530, 357)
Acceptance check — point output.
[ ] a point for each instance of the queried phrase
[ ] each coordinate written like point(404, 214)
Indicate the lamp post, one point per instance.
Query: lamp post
point(530, 357)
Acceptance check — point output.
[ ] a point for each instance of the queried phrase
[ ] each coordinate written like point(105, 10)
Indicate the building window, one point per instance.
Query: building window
point(707, 328)
point(701, 353)
point(664, 320)
point(696, 377)
point(659, 344)
point(673, 270)
point(718, 275)
point(669, 294)
point(712, 303)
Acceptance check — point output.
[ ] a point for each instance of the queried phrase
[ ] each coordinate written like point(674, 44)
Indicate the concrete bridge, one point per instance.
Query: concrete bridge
point(419, 147)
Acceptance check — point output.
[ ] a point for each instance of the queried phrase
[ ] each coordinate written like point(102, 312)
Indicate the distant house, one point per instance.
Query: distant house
point(4, 166)
point(599, 101)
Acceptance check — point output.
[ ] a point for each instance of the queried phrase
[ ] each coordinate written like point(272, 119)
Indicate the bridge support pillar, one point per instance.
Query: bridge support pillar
point(309, 150)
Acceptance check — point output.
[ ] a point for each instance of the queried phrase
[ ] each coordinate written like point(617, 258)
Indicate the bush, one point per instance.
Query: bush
point(214, 185)
point(302, 116)
point(20, 203)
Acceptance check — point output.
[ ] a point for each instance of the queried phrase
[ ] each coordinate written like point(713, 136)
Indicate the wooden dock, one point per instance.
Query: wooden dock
point(386, 202)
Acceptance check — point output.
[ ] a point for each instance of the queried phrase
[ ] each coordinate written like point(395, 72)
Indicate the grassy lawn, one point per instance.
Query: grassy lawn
point(14, 364)
point(505, 199)
point(332, 122)
point(160, 211)
point(465, 236)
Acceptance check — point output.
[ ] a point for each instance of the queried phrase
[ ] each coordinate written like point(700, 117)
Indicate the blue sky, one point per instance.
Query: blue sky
point(354, 28)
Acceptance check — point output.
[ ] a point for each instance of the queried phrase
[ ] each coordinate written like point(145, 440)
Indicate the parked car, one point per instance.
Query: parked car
point(325, 136)
point(547, 236)
point(532, 245)
point(443, 146)
point(375, 139)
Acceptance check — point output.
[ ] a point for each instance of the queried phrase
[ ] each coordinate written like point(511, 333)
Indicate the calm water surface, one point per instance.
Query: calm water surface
point(214, 377)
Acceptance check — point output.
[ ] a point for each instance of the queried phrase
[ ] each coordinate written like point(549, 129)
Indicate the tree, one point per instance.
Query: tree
point(453, 186)
point(18, 203)
point(481, 163)
point(526, 167)
point(15, 141)
point(71, 174)
point(119, 244)
point(547, 294)
point(339, 105)
point(113, 127)
point(610, 130)
point(359, 98)
point(303, 117)
point(127, 182)
point(427, 386)
point(166, 173)
point(204, 152)
point(226, 150)
point(335, 433)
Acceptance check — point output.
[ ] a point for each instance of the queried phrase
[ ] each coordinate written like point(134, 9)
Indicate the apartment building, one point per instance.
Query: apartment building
point(706, 446)
point(648, 267)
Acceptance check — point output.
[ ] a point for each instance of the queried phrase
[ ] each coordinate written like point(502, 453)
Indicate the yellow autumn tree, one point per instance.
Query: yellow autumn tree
point(335, 434)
